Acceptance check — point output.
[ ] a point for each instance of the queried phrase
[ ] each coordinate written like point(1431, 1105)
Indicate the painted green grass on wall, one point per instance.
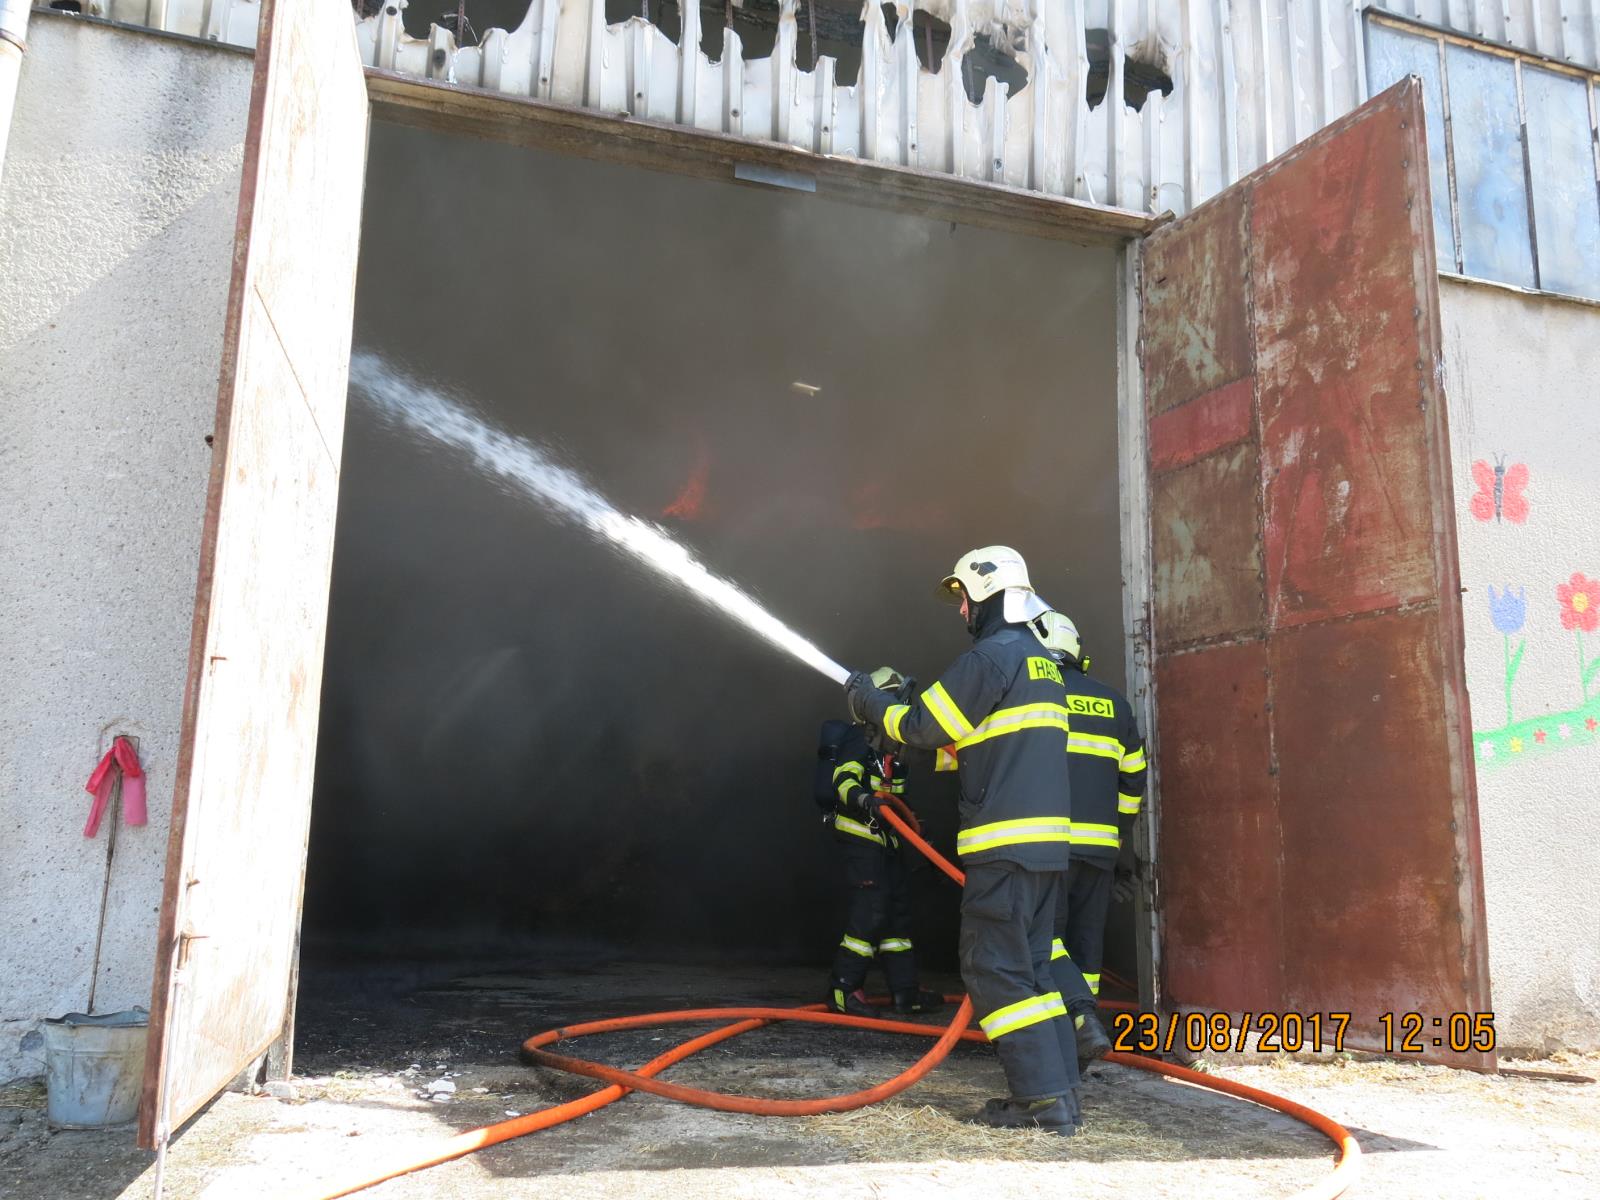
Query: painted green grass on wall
point(1539, 736)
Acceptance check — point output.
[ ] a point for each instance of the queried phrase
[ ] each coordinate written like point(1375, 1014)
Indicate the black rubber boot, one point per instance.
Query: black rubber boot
point(1093, 1041)
point(1056, 1114)
point(917, 1000)
point(853, 1003)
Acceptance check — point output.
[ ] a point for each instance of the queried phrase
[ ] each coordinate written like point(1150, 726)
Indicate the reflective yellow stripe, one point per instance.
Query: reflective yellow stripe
point(1023, 1014)
point(845, 825)
point(1093, 981)
point(1127, 803)
point(944, 759)
point(946, 712)
point(1014, 720)
point(852, 773)
point(1014, 833)
point(892, 945)
point(1094, 743)
point(892, 718)
point(1085, 833)
point(1058, 949)
point(856, 946)
point(1135, 761)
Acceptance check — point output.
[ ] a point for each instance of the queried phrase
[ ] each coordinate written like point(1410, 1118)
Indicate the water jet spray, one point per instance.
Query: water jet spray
point(533, 472)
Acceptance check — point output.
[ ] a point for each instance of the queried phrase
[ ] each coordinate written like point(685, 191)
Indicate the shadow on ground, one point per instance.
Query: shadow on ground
point(372, 1043)
point(360, 1024)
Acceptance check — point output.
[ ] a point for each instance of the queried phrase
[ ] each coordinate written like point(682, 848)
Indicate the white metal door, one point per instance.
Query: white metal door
point(236, 860)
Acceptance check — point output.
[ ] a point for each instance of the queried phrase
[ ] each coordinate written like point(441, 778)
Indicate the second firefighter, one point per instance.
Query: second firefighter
point(854, 778)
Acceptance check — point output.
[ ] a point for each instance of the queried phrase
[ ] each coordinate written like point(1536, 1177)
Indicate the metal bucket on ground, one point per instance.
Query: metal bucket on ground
point(93, 1068)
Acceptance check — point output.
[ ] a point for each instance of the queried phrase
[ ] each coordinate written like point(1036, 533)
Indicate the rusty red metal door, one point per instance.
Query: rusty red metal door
point(1318, 820)
point(241, 809)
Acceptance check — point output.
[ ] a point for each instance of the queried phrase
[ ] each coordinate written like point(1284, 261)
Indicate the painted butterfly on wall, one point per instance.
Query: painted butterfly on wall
point(1499, 495)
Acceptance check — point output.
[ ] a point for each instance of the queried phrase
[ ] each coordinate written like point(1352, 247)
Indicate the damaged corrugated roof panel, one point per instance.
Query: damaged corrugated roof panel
point(1155, 105)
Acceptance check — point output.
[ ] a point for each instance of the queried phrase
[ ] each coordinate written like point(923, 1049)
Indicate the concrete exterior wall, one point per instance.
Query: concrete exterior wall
point(117, 209)
point(1521, 379)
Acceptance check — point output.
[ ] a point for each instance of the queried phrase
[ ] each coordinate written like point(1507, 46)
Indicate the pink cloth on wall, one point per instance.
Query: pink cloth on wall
point(124, 759)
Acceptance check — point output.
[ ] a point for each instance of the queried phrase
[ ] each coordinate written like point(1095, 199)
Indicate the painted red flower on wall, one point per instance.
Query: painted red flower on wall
point(1580, 603)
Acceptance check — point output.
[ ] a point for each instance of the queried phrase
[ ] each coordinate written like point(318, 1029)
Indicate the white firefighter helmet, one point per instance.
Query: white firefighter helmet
point(1058, 634)
point(990, 571)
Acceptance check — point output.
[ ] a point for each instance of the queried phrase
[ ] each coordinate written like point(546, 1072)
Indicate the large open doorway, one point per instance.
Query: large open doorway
point(534, 756)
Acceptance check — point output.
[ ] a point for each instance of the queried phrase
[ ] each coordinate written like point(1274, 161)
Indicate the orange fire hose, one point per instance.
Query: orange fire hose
point(621, 1082)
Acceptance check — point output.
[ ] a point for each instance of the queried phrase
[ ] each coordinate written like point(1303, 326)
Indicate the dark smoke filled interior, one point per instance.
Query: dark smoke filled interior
point(528, 741)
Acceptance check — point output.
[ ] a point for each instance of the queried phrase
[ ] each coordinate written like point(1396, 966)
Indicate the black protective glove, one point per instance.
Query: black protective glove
point(1128, 872)
point(856, 689)
point(1125, 882)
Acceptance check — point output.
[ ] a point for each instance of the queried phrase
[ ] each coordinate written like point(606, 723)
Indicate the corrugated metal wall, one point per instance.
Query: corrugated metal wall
point(1250, 78)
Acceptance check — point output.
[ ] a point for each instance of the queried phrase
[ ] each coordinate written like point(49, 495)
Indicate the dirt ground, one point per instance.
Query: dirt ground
point(373, 1043)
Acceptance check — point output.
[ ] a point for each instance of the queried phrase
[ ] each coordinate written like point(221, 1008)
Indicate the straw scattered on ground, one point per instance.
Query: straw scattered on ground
point(929, 1126)
point(27, 1093)
point(899, 1132)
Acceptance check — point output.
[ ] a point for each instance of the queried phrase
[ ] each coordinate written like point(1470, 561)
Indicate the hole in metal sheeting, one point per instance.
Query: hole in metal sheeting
point(456, 21)
point(986, 61)
point(618, 11)
point(838, 34)
point(1139, 77)
point(933, 39)
point(468, 21)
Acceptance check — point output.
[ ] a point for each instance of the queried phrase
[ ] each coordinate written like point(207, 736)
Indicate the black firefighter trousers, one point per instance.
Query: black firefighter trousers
point(1007, 922)
point(1081, 911)
point(878, 921)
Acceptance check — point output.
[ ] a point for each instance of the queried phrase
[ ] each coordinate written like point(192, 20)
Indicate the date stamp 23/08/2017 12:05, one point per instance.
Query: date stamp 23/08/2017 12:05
point(1293, 1032)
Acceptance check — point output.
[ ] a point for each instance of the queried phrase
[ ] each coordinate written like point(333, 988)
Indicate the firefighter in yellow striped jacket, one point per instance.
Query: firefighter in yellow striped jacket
point(1106, 753)
point(872, 861)
point(1001, 707)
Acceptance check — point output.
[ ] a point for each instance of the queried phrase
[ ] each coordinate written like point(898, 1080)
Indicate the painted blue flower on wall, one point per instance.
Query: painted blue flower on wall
point(1509, 612)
